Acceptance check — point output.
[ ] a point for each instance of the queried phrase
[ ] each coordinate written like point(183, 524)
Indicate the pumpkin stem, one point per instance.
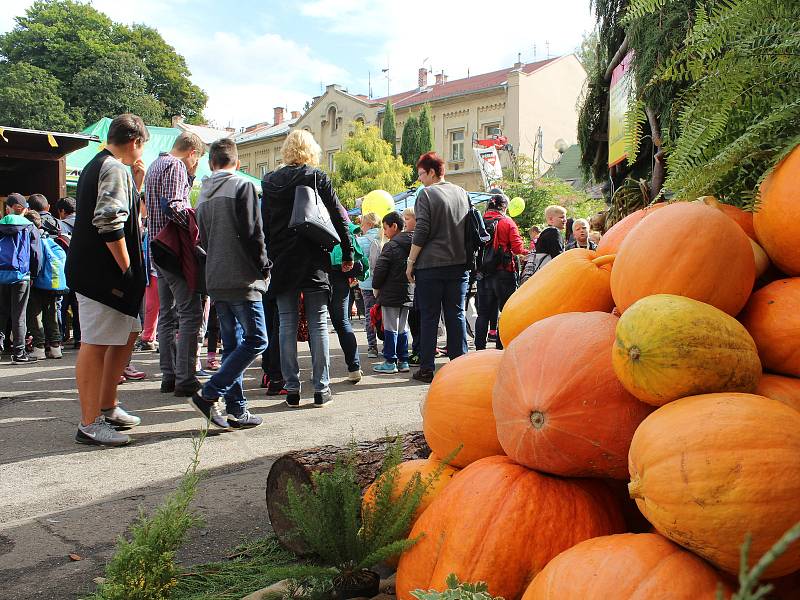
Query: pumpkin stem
point(635, 489)
point(537, 419)
point(634, 353)
point(606, 259)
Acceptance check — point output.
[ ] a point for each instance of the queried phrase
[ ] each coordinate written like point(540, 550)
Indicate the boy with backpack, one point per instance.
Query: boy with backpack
point(46, 291)
point(20, 257)
point(497, 273)
point(393, 292)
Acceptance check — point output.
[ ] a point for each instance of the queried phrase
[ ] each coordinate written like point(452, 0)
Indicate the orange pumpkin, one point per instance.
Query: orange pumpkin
point(742, 218)
point(761, 258)
point(772, 316)
point(458, 408)
point(501, 523)
point(575, 281)
point(612, 239)
point(706, 470)
point(782, 389)
point(688, 249)
point(628, 566)
point(558, 405)
point(778, 211)
point(406, 471)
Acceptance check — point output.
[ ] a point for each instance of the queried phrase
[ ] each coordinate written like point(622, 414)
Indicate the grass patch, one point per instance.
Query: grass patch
point(251, 566)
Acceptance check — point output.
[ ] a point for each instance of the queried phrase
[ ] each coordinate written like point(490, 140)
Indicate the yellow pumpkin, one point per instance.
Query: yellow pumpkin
point(668, 347)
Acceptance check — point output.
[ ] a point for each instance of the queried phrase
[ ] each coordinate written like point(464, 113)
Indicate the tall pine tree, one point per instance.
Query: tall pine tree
point(408, 141)
point(425, 130)
point(389, 131)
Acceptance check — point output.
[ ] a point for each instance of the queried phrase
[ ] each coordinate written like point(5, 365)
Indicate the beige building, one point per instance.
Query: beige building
point(518, 102)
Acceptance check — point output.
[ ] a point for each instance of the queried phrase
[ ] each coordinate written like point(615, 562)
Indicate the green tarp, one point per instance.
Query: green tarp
point(161, 140)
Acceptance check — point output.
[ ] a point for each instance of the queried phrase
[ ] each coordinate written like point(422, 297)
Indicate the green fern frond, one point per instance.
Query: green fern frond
point(641, 8)
point(635, 119)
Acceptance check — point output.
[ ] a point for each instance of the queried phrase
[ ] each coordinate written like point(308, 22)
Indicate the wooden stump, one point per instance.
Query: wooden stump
point(298, 466)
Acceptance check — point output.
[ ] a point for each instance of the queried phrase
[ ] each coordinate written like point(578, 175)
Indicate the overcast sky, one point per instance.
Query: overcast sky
point(251, 55)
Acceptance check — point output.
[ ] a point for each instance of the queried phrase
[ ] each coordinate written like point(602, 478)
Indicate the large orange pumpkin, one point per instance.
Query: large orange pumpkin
point(772, 316)
point(707, 470)
point(558, 405)
point(688, 249)
point(573, 281)
point(458, 408)
point(742, 218)
point(778, 211)
point(780, 388)
point(628, 566)
point(501, 523)
point(406, 471)
point(668, 347)
point(612, 239)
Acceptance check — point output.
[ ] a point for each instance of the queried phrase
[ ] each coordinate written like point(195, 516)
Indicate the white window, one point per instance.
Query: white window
point(245, 169)
point(491, 129)
point(457, 145)
point(263, 168)
point(331, 161)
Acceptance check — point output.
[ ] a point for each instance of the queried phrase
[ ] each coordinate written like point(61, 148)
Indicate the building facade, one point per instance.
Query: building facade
point(533, 105)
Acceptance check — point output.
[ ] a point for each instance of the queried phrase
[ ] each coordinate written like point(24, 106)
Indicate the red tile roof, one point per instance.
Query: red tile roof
point(456, 87)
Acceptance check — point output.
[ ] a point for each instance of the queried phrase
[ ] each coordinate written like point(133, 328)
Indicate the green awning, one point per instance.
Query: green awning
point(161, 140)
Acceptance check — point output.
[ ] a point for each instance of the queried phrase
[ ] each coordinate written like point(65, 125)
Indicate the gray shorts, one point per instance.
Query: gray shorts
point(101, 325)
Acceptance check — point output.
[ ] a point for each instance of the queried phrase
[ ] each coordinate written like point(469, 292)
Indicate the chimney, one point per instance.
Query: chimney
point(423, 78)
point(278, 115)
point(295, 114)
point(444, 77)
point(176, 119)
point(439, 78)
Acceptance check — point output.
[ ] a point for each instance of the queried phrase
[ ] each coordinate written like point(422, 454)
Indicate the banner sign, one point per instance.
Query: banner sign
point(620, 94)
point(489, 165)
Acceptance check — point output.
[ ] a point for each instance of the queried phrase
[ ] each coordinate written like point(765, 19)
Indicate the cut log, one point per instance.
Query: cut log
point(298, 466)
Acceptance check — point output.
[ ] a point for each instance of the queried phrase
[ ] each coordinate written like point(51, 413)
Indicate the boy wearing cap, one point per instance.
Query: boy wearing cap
point(16, 204)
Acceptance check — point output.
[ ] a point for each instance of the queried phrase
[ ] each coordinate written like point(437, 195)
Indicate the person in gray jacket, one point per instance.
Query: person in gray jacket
point(236, 272)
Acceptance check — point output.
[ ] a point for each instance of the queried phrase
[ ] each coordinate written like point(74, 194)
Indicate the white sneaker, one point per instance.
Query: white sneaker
point(38, 354)
point(100, 433)
point(53, 352)
point(120, 417)
point(355, 376)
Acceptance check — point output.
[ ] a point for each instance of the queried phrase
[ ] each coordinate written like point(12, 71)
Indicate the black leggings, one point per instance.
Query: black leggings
point(212, 332)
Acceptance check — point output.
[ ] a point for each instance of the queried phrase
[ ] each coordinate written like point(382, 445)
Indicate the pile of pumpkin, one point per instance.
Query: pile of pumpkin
point(662, 369)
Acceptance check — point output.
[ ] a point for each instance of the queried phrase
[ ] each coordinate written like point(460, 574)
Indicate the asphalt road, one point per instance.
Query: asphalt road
point(63, 498)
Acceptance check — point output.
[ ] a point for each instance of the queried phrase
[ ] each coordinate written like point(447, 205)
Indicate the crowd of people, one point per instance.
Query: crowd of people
point(130, 263)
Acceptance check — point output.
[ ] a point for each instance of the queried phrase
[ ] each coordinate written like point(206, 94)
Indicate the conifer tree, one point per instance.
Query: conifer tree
point(425, 130)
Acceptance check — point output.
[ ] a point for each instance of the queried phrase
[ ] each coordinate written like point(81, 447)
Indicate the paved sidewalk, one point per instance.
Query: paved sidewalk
point(63, 498)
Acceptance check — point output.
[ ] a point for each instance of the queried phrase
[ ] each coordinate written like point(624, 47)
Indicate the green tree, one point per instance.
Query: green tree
point(409, 142)
point(389, 132)
point(116, 84)
point(366, 163)
point(29, 99)
point(425, 140)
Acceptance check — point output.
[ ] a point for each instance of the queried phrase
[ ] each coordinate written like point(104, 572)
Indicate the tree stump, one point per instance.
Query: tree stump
point(298, 466)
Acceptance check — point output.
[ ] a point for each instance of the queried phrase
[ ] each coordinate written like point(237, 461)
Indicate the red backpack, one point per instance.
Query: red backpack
point(376, 319)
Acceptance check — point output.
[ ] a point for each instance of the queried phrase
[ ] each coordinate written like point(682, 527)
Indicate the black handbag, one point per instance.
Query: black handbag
point(310, 218)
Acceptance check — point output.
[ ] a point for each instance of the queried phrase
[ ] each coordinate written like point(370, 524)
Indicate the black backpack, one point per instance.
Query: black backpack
point(475, 236)
point(490, 259)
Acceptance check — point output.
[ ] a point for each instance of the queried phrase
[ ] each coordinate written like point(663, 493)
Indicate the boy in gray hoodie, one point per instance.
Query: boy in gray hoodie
point(237, 271)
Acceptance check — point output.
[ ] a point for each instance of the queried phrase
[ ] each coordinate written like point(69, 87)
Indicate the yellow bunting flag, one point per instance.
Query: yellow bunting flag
point(52, 141)
point(2, 131)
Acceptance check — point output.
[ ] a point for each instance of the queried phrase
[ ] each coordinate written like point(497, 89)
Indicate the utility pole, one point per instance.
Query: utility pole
point(388, 79)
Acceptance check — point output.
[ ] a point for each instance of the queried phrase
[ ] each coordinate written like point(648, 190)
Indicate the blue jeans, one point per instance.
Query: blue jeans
point(244, 337)
point(369, 302)
point(316, 305)
point(395, 333)
point(441, 290)
point(340, 317)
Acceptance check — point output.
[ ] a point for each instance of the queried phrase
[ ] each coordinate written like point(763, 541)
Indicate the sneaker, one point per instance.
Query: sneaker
point(492, 335)
point(372, 353)
point(264, 380)
point(23, 358)
point(275, 388)
point(53, 352)
point(212, 364)
point(423, 375)
point(208, 409)
point(246, 421)
point(293, 399)
point(355, 376)
point(167, 387)
point(440, 352)
point(146, 346)
point(38, 353)
point(119, 417)
point(322, 398)
point(385, 367)
point(414, 360)
point(402, 366)
point(100, 433)
point(133, 374)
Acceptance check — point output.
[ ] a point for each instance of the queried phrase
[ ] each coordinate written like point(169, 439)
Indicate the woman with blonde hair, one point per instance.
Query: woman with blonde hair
point(300, 266)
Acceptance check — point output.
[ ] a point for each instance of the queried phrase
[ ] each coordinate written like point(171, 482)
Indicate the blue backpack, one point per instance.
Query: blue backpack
point(15, 249)
point(52, 277)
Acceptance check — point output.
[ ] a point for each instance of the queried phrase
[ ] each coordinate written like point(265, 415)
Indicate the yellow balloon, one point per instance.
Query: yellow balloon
point(516, 207)
point(378, 201)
